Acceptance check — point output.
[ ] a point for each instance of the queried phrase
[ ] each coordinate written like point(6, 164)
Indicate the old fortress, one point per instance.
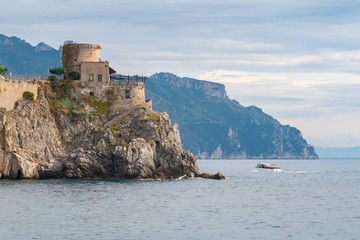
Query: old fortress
point(95, 77)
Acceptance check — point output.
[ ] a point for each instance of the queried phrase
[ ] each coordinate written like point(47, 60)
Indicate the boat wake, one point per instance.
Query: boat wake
point(267, 170)
point(302, 172)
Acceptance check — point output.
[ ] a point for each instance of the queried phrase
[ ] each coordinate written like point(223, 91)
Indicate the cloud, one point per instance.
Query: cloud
point(324, 106)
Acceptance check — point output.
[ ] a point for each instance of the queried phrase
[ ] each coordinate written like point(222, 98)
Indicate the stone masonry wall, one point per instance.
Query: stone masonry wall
point(136, 91)
point(74, 54)
point(12, 91)
point(95, 68)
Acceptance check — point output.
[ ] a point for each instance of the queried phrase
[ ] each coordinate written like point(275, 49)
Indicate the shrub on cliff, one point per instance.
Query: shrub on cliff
point(57, 71)
point(3, 70)
point(52, 78)
point(61, 88)
point(28, 96)
point(74, 75)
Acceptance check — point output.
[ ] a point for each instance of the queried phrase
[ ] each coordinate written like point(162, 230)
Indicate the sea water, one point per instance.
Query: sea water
point(308, 199)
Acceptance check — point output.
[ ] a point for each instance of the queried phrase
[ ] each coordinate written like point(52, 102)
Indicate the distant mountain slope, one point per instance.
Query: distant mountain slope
point(350, 152)
point(214, 126)
point(22, 58)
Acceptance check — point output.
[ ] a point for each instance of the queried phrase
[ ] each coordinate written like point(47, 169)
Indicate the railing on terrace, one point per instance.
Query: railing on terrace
point(25, 77)
point(118, 78)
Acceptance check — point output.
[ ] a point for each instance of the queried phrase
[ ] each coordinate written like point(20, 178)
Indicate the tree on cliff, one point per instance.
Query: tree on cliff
point(57, 71)
point(3, 70)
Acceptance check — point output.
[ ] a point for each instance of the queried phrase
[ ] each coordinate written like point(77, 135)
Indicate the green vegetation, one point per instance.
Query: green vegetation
point(52, 79)
point(3, 70)
point(143, 108)
point(101, 106)
point(2, 110)
point(110, 94)
point(74, 75)
point(59, 99)
point(57, 71)
point(61, 88)
point(28, 96)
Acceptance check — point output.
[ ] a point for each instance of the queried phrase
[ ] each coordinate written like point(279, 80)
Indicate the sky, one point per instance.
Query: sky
point(297, 60)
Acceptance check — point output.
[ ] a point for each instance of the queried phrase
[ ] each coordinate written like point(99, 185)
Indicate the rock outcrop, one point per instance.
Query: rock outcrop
point(69, 135)
point(209, 88)
point(42, 47)
point(29, 140)
point(217, 176)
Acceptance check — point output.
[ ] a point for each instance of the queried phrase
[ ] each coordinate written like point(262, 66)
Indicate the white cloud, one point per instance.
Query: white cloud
point(324, 106)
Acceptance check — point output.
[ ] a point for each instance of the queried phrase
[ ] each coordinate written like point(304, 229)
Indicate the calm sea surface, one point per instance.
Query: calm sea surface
point(317, 199)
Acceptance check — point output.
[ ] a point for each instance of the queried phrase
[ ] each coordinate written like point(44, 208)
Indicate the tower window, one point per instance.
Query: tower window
point(91, 77)
point(99, 78)
point(127, 93)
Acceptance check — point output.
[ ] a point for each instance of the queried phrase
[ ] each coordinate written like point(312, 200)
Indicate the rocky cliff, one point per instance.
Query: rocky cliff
point(66, 134)
point(208, 88)
point(214, 126)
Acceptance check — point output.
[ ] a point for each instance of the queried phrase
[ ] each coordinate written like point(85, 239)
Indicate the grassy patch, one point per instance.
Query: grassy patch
point(28, 96)
point(110, 95)
point(143, 108)
point(153, 116)
point(101, 106)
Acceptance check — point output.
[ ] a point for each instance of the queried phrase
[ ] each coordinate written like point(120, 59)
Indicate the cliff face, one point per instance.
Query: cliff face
point(69, 135)
point(214, 126)
point(208, 88)
point(29, 140)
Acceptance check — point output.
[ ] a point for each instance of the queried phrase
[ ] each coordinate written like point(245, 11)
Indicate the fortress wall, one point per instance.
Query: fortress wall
point(12, 91)
point(137, 93)
point(148, 104)
point(136, 89)
point(137, 96)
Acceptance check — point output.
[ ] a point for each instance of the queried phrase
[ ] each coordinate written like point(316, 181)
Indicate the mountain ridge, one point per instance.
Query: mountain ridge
point(20, 57)
point(221, 127)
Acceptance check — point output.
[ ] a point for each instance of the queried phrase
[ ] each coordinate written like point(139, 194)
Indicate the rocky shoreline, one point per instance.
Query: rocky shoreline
point(67, 134)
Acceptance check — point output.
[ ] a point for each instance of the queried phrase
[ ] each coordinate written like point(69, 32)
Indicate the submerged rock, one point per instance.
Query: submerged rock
point(217, 176)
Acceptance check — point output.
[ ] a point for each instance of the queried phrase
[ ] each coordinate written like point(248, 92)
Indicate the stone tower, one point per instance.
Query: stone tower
point(84, 59)
point(74, 54)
